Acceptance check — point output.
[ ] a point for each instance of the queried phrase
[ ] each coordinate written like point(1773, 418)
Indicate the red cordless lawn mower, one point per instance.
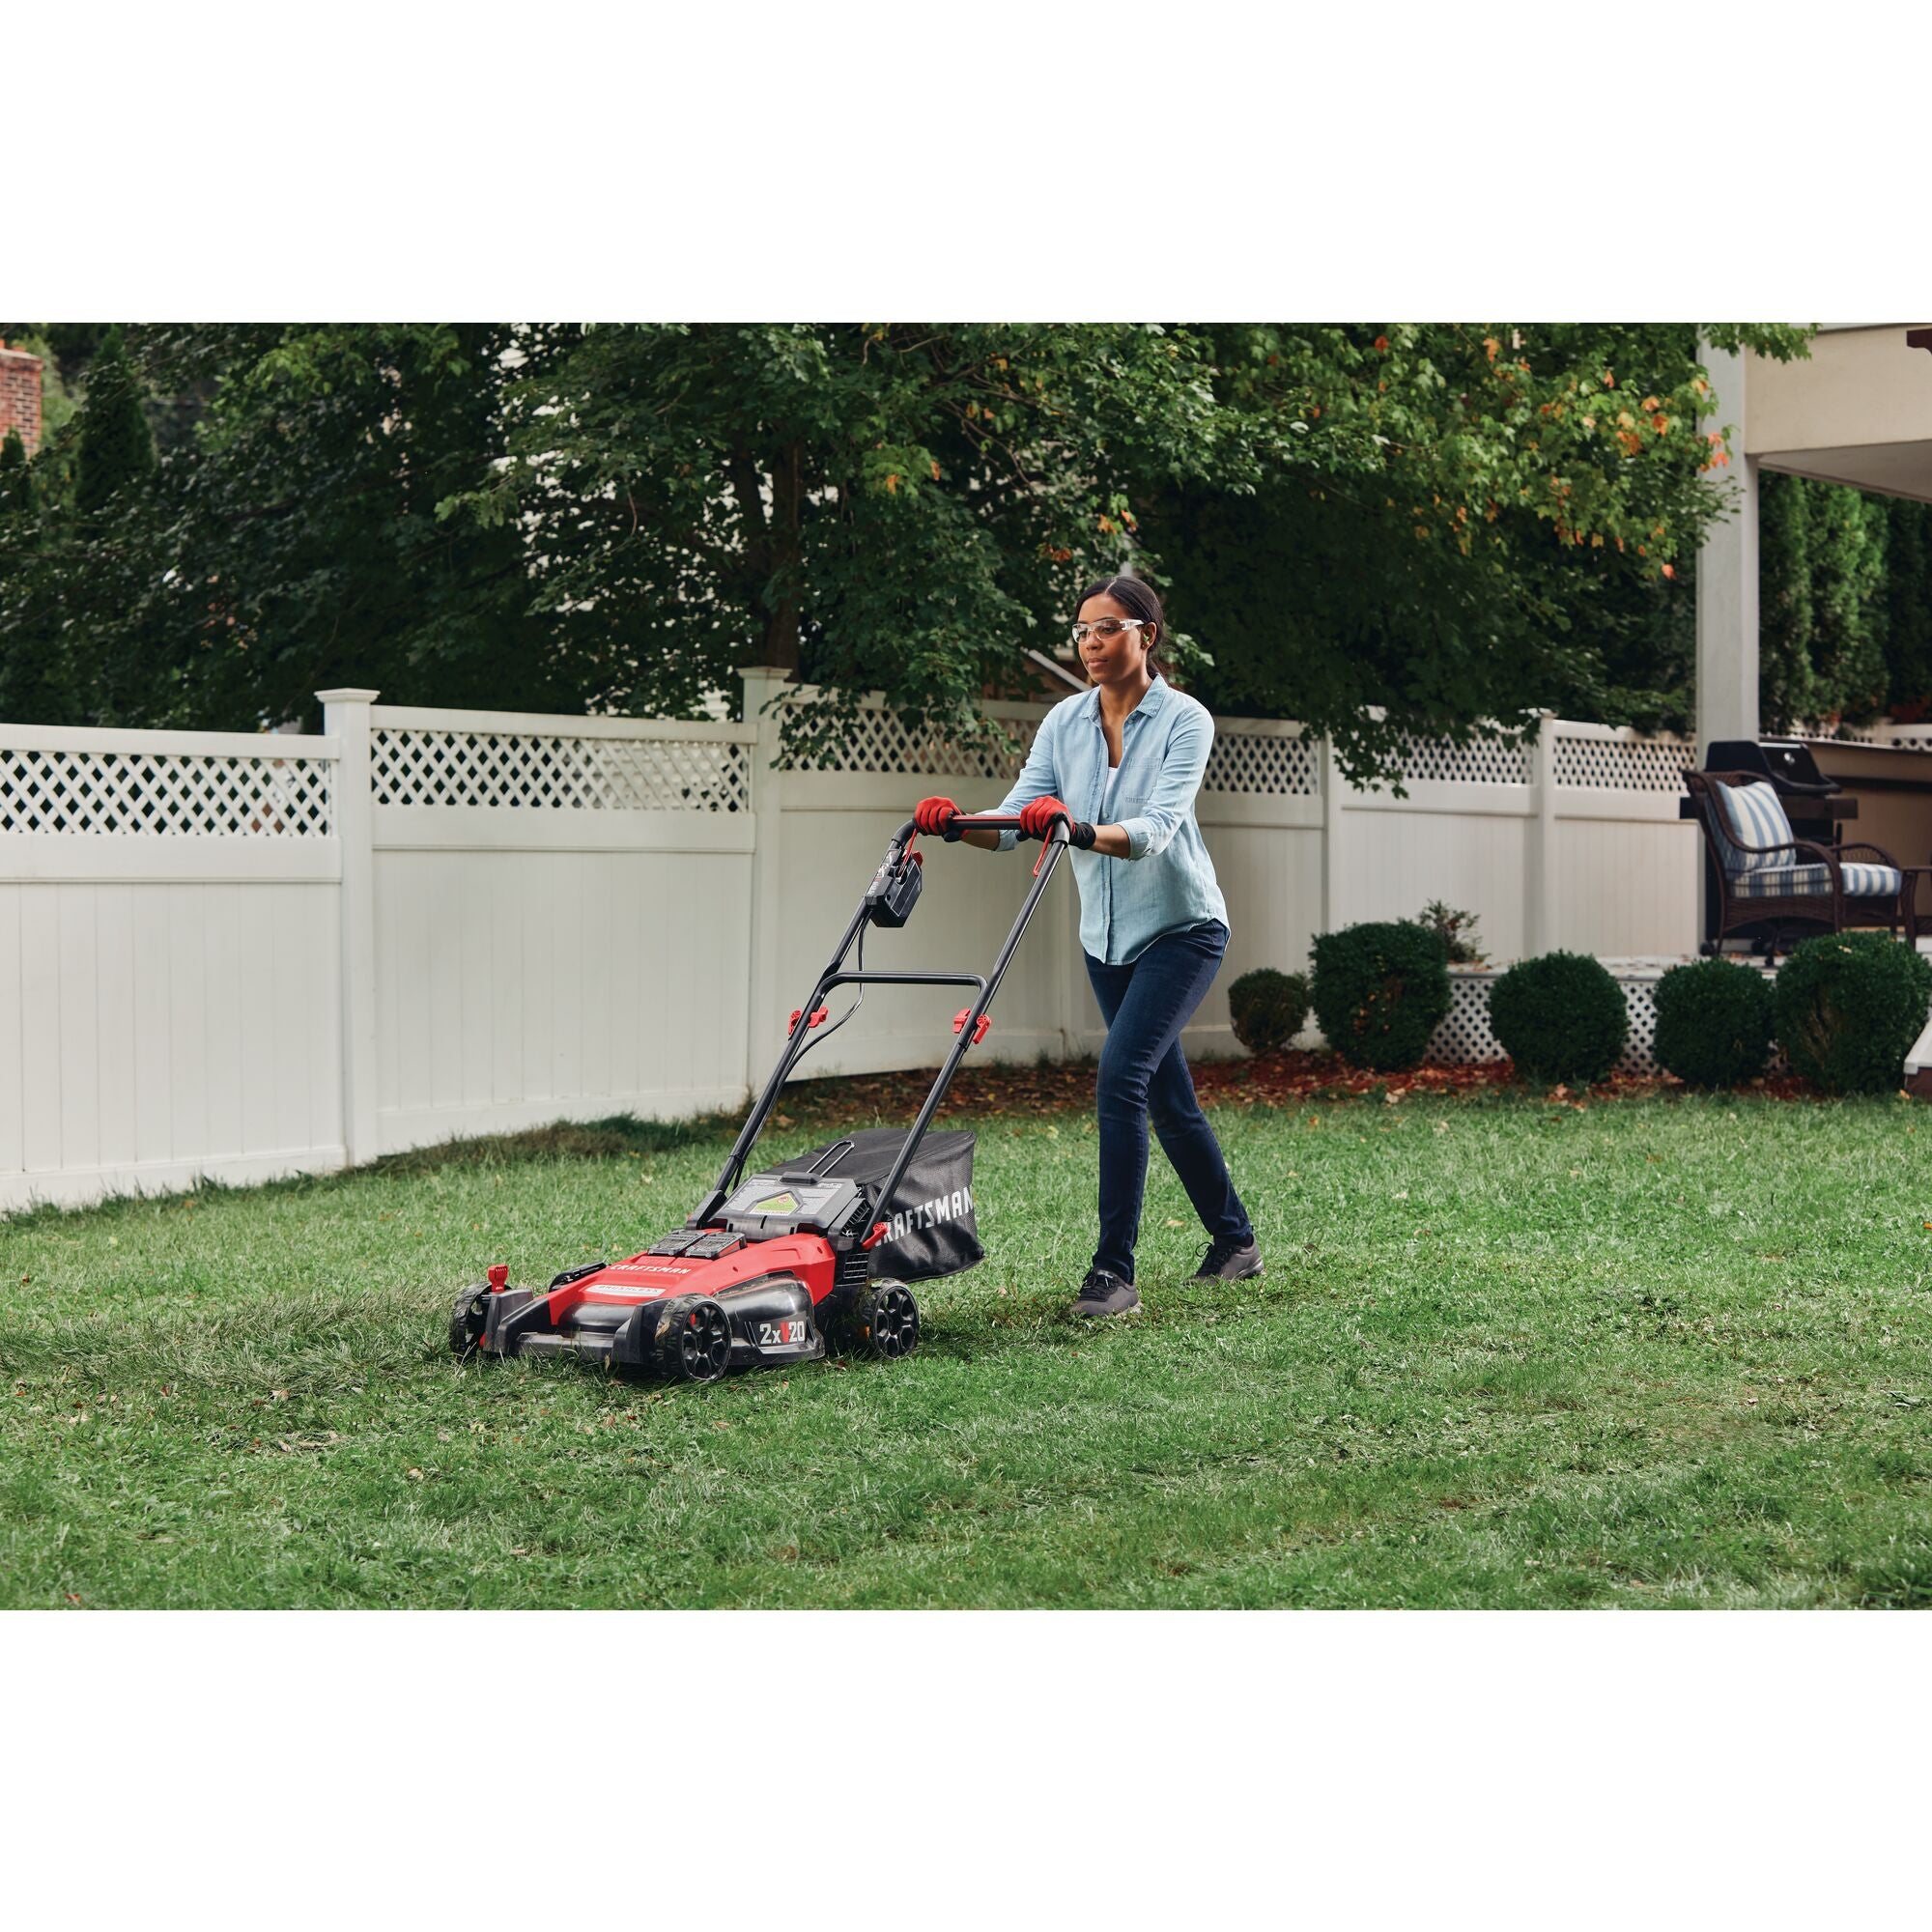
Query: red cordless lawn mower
point(812, 1255)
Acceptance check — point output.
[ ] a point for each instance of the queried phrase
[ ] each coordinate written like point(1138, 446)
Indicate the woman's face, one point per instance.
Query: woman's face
point(1123, 654)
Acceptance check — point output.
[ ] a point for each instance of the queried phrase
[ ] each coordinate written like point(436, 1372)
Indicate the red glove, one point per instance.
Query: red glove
point(929, 816)
point(1036, 816)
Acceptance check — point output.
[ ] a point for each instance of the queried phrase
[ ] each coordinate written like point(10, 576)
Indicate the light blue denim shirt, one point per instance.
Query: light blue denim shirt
point(1167, 882)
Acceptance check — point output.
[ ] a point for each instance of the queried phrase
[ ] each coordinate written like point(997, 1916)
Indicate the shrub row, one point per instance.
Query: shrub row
point(1847, 1007)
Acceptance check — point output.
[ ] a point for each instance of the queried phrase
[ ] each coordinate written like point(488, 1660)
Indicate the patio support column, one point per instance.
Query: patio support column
point(1728, 609)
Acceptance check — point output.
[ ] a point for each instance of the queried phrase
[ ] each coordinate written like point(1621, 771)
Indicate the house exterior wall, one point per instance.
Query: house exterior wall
point(1860, 387)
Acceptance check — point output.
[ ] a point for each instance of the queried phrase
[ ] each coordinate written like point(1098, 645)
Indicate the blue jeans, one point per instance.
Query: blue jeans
point(1144, 1076)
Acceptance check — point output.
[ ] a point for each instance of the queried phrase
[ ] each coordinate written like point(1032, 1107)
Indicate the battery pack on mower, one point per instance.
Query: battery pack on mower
point(894, 890)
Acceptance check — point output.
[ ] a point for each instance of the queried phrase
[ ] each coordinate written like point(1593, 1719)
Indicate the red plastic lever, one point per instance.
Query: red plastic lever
point(980, 1026)
point(817, 1019)
point(877, 1236)
point(499, 1276)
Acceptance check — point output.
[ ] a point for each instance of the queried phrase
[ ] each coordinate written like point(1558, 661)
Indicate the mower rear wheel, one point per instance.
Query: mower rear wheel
point(469, 1318)
point(694, 1340)
point(885, 1323)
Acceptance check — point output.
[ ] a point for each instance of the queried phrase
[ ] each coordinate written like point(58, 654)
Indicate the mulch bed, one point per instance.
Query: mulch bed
point(1273, 1080)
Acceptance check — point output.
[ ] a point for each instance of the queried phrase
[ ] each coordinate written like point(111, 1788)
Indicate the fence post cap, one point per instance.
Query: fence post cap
point(349, 694)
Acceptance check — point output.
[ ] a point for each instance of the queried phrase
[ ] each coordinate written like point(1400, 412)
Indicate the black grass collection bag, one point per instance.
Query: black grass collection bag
point(930, 1226)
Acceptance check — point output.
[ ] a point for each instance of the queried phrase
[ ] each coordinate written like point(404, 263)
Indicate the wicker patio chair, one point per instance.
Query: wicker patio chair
point(1769, 879)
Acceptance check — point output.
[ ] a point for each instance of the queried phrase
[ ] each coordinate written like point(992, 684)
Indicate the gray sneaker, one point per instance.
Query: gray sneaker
point(1230, 1260)
point(1104, 1293)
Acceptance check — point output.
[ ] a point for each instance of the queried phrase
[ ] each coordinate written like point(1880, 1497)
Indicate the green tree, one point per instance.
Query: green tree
point(1537, 495)
point(1352, 517)
point(1828, 589)
point(1447, 523)
point(1847, 542)
point(1908, 607)
point(16, 481)
point(891, 507)
point(1788, 688)
point(33, 686)
point(306, 545)
point(116, 448)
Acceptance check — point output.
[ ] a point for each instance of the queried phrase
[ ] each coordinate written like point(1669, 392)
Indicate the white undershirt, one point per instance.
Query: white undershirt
point(1107, 796)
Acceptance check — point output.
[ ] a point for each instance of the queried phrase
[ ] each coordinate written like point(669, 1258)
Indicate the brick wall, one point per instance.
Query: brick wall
point(21, 396)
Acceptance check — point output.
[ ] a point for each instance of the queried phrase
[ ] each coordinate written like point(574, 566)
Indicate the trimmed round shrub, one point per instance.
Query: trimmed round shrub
point(1714, 1022)
point(1267, 1008)
point(1849, 1006)
point(1380, 989)
point(1560, 1017)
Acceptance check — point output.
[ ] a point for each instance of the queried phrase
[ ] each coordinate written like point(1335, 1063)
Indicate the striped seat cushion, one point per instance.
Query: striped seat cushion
point(1756, 814)
point(1800, 882)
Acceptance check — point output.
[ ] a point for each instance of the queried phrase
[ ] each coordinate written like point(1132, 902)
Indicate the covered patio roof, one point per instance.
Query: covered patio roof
point(1859, 411)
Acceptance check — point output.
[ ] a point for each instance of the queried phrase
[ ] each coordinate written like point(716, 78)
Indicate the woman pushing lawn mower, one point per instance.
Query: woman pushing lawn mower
point(1122, 763)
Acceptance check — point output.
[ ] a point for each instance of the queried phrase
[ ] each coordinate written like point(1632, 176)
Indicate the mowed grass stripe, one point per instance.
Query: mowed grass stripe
point(1666, 1351)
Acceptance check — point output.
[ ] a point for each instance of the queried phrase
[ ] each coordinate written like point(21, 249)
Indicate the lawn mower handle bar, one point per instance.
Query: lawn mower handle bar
point(981, 821)
point(836, 975)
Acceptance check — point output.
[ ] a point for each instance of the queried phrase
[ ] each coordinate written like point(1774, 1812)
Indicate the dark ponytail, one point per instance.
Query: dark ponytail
point(1134, 595)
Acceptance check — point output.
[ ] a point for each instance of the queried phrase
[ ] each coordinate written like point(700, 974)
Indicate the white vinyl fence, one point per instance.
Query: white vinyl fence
point(237, 955)
point(170, 940)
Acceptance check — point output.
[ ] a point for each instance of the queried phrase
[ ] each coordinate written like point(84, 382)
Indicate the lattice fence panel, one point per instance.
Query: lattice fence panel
point(175, 794)
point(543, 773)
point(1464, 1038)
point(881, 741)
point(1264, 766)
point(1481, 762)
point(1616, 764)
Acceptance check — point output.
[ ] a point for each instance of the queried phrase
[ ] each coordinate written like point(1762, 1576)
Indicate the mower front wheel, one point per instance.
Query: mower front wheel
point(469, 1318)
point(694, 1340)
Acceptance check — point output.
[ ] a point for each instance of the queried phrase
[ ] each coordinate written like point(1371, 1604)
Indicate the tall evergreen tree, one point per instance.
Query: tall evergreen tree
point(1908, 602)
point(16, 481)
point(1789, 689)
point(1847, 543)
point(34, 688)
point(116, 448)
point(1829, 580)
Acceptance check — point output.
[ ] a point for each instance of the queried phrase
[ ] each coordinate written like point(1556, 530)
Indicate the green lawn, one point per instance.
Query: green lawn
point(1663, 1351)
